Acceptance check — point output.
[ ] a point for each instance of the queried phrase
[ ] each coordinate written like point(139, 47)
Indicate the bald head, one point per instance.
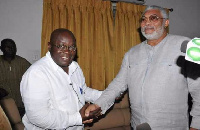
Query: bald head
point(58, 32)
point(62, 47)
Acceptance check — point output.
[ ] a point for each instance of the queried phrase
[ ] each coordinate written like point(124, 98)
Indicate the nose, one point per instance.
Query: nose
point(148, 21)
point(65, 49)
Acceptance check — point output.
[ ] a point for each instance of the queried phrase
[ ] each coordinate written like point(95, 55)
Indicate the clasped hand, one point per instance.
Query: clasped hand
point(89, 112)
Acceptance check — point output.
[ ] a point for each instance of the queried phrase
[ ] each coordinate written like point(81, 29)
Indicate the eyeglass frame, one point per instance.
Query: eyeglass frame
point(143, 19)
point(70, 48)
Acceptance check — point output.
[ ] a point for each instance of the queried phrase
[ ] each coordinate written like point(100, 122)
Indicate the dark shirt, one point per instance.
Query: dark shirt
point(10, 77)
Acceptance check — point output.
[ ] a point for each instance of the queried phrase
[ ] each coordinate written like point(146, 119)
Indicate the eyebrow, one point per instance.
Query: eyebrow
point(150, 15)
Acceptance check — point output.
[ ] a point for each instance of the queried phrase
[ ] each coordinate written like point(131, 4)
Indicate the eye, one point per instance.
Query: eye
point(153, 18)
point(72, 48)
point(59, 46)
point(143, 19)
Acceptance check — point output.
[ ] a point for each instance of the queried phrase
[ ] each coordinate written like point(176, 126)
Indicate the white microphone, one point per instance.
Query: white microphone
point(144, 126)
point(192, 50)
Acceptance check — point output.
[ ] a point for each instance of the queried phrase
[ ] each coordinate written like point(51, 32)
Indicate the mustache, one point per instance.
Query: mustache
point(147, 27)
point(66, 54)
point(63, 52)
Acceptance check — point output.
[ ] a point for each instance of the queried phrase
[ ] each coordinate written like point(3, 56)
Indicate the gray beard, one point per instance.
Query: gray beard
point(155, 35)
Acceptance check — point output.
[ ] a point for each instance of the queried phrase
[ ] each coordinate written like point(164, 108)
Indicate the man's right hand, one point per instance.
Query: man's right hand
point(91, 109)
point(91, 115)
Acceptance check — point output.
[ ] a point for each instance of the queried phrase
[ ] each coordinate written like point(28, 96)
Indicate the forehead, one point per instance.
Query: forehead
point(64, 38)
point(8, 43)
point(152, 12)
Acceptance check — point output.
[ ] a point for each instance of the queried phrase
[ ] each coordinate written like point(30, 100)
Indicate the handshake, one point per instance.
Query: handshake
point(89, 112)
point(92, 111)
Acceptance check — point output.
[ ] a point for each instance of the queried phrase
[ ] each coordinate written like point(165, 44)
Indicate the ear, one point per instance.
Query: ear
point(49, 46)
point(166, 23)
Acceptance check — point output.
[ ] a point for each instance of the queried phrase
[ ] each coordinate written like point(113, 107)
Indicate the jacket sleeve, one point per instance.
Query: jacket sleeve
point(117, 86)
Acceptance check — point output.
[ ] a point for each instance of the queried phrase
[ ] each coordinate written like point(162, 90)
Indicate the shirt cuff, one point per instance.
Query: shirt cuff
point(104, 106)
point(195, 123)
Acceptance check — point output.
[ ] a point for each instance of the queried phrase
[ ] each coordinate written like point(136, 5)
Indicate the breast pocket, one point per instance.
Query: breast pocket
point(165, 67)
point(137, 69)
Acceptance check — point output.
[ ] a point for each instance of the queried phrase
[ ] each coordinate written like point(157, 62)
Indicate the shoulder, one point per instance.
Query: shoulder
point(135, 52)
point(177, 38)
point(1, 57)
point(21, 59)
point(74, 66)
point(41, 63)
point(137, 48)
point(40, 67)
point(175, 42)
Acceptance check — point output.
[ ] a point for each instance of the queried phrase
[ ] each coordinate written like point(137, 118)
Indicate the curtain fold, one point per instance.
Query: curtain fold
point(127, 30)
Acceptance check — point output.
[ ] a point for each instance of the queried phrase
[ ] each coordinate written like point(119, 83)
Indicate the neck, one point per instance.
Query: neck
point(66, 69)
point(8, 58)
point(154, 42)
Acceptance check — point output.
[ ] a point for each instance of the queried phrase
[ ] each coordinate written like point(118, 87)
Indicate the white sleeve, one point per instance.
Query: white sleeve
point(90, 94)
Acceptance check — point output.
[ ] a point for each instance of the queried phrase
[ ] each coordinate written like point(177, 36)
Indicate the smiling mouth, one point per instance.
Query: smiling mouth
point(149, 28)
point(65, 58)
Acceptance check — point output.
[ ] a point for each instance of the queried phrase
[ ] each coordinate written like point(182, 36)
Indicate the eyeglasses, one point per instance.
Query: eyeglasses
point(152, 18)
point(60, 47)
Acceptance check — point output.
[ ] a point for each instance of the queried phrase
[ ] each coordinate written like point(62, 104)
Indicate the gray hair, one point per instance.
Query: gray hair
point(162, 10)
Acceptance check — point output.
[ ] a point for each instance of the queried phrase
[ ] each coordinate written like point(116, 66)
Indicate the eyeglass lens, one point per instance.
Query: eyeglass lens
point(70, 48)
point(152, 18)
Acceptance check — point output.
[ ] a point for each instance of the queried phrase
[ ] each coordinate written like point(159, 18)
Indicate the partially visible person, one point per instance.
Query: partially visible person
point(157, 79)
point(3, 93)
point(53, 89)
point(4, 122)
point(12, 67)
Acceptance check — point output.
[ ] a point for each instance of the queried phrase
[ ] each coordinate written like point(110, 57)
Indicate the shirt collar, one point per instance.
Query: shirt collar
point(159, 44)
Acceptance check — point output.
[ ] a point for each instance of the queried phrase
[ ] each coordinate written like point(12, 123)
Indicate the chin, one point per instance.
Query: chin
point(152, 36)
point(66, 64)
point(155, 34)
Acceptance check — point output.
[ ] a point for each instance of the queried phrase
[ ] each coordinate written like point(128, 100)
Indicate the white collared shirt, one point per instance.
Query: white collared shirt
point(53, 98)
